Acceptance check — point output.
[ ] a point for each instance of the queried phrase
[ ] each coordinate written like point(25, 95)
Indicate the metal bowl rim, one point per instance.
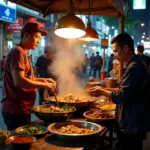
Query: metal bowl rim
point(73, 110)
point(73, 135)
point(63, 102)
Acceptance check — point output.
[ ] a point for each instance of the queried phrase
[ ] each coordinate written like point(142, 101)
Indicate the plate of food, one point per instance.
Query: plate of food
point(32, 130)
point(52, 113)
point(108, 106)
point(99, 116)
point(71, 130)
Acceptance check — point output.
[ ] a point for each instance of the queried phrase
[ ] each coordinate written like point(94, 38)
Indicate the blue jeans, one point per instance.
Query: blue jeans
point(13, 121)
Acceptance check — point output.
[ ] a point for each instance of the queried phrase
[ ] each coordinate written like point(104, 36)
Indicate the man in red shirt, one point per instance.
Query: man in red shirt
point(19, 87)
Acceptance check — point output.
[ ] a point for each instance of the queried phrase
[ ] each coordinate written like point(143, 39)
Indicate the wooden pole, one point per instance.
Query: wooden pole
point(121, 31)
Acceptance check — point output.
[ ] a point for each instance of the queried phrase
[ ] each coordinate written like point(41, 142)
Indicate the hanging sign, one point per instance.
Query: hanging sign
point(104, 43)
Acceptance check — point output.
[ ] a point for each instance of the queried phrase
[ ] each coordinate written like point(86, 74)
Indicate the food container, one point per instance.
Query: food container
point(99, 116)
point(3, 136)
point(53, 128)
point(22, 139)
point(52, 116)
point(82, 102)
point(21, 142)
point(32, 130)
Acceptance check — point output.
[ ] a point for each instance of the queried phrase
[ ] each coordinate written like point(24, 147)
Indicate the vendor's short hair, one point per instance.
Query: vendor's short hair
point(123, 39)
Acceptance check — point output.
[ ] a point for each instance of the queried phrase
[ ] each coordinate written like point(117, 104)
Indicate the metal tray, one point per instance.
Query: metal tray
point(82, 124)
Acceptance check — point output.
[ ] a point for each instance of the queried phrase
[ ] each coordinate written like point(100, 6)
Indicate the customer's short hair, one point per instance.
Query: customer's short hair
point(123, 39)
point(140, 48)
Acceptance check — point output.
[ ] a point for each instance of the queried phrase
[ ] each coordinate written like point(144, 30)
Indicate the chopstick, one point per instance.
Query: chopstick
point(56, 99)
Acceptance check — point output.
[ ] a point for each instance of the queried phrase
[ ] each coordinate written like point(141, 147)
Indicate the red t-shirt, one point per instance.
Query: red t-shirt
point(17, 100)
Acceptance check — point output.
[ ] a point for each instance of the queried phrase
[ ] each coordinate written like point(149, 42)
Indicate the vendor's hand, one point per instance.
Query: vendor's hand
point(95, 91)
point(50, 80)
point(50, 86)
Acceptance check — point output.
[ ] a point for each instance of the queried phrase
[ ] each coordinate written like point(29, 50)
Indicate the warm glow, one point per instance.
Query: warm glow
point(93, 47)
point(88, 39)
point(70, 33)
point(142, 24)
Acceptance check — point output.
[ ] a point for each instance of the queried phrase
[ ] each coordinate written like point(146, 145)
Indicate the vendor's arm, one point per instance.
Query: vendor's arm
point(49, 80)
point(21, 81)
point(18, 66)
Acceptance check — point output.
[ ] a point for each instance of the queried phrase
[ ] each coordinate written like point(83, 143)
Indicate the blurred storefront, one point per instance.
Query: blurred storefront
point(12, 18)
point(7, 15)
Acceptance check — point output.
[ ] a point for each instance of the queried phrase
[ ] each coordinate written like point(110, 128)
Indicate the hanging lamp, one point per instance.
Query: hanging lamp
point(91, 34)
point(70, 26)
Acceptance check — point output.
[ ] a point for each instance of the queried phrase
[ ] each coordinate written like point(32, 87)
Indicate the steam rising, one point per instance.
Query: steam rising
point(67, 63)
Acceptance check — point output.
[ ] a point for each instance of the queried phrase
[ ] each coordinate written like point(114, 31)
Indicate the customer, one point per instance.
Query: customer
point(85, 63)
point(92, 58)
point(145, 58)
point(98, 61)
point(110, 63)
point(19, 87)
point(133, 95)
point(42, 68)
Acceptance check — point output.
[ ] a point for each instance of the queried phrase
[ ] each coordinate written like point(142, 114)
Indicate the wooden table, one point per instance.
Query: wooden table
point(52, 142)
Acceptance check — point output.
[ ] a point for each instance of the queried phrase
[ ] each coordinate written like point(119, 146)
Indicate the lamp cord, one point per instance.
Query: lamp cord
point(89, 9)
point(89, 13)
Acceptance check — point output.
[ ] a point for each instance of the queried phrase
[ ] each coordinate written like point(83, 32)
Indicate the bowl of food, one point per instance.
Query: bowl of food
point(75, 130)
point(73, 100)
point(53, 113)
point(3, 136)
point(31, 130)
point(21, 141)
point(99, 116)
point(107, 106)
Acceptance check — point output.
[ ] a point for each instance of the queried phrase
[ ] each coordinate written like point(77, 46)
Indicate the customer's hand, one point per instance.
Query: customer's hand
point(95, 91)
point(51, 87)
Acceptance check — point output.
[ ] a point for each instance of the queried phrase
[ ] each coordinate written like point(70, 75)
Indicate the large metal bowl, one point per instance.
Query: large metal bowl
point(78, 104)
point(100, 119)
point(81, 124)
point(52, 117)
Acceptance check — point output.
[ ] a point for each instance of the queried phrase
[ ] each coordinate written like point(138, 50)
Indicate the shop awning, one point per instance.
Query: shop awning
point(115, 8)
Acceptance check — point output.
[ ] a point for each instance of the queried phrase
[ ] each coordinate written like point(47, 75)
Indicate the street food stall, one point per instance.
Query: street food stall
point(76, 131)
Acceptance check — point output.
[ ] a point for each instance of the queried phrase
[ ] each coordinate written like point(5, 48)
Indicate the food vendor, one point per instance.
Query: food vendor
point(19, 83)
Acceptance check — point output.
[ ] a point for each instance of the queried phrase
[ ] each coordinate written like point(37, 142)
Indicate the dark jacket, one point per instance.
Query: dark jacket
point(133, 98)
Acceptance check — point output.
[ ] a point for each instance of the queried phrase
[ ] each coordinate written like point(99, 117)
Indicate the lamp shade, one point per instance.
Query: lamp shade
point(91, 34)
point(70, 26)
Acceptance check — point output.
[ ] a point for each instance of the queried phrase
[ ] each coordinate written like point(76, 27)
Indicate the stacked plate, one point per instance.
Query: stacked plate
point(110, 83)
